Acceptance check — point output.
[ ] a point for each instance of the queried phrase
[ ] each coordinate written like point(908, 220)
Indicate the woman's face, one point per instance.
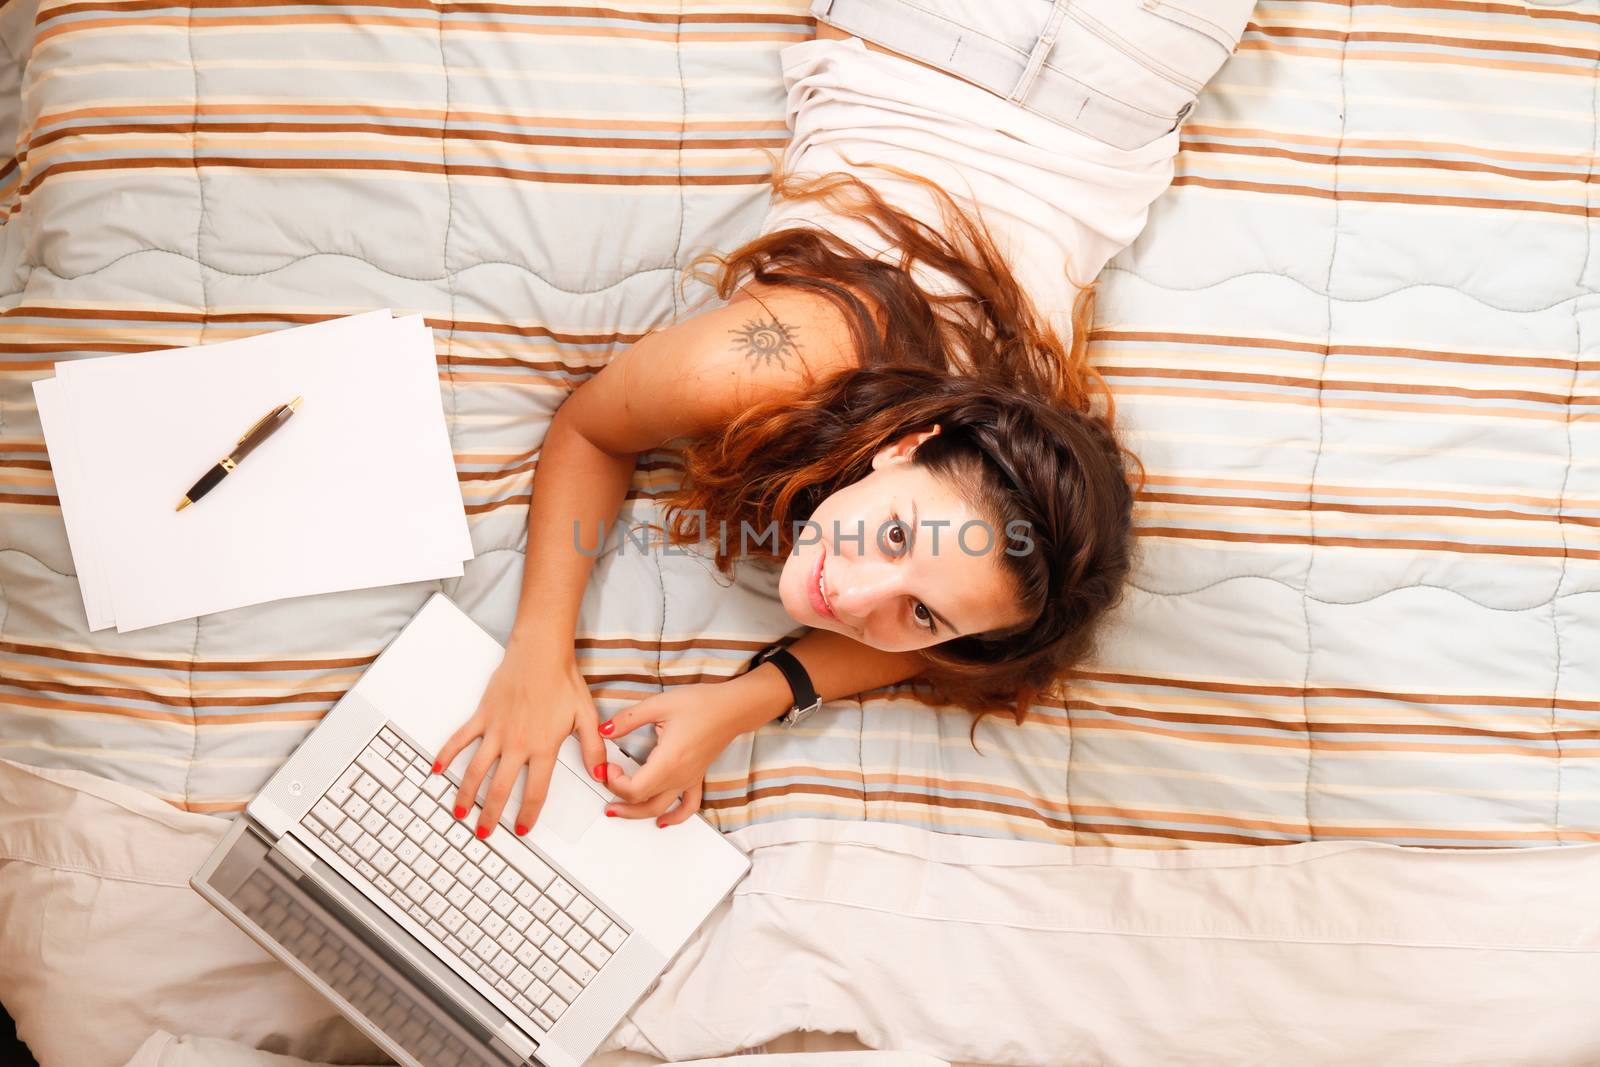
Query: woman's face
point(880, 593)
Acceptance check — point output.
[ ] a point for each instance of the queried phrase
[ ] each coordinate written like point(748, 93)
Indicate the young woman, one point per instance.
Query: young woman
point(894, 398)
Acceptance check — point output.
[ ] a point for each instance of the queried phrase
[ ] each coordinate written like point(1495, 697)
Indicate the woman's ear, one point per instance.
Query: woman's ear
point(900, 450)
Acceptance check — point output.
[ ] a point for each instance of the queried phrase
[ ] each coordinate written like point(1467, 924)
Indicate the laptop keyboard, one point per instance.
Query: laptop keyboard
point(520, 927)
point(386, 1003)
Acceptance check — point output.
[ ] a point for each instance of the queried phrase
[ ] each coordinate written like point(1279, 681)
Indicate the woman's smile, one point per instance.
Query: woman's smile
point(819, 600)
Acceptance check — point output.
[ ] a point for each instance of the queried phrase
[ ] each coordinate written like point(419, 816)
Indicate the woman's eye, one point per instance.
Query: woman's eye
point(896, 533)
point(922, 607)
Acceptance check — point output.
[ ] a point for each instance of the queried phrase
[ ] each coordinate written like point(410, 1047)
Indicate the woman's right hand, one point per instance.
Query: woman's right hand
point(534, 699)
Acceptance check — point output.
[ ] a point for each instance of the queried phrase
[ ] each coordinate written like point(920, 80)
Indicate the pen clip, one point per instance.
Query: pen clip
point(268, 417)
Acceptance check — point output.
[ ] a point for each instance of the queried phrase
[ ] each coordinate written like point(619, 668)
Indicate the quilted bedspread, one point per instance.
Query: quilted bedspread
point(1355, 347)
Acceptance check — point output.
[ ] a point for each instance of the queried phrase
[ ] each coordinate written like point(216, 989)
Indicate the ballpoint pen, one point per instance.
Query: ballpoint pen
point(247, 444)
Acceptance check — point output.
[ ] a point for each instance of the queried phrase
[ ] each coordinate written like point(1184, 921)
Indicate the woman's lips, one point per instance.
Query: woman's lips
point(819, 605)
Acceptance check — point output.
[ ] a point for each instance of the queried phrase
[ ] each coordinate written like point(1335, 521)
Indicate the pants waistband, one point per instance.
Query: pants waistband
point(1015, 76)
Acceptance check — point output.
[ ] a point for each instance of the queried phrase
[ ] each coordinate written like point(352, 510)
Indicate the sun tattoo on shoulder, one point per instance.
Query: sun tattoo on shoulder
point(768, 341)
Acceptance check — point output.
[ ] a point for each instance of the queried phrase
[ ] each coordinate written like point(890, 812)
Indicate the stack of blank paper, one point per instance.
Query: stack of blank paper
point(358, 488)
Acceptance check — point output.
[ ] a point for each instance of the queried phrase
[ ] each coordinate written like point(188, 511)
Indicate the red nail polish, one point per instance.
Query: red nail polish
point(483, 831)
point(461, 813)
point(521, 829)
point(436, 767)
point(660, 825)
point(606, 728)
point(600, 771)
point(610, 814)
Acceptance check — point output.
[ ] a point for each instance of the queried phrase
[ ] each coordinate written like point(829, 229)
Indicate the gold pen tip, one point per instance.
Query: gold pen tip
point(185, 502)
point(295, 403)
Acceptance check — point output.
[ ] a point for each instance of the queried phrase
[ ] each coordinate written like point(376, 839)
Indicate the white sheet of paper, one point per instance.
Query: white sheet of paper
point(62, 447)
point(357, 489)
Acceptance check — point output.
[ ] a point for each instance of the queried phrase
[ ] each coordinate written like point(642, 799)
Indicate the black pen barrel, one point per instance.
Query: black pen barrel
point(207, 482)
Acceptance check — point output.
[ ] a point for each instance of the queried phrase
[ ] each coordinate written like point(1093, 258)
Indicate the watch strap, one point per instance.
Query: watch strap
point(806, 698)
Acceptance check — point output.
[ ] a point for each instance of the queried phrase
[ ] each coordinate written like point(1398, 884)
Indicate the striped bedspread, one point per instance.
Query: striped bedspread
point(1355, 348)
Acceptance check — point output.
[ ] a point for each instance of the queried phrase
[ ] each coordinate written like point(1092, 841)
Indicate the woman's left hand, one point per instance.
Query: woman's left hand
point(694, 723)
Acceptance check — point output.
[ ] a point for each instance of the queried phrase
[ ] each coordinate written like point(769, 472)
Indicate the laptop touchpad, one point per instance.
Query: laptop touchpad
point(570, 806)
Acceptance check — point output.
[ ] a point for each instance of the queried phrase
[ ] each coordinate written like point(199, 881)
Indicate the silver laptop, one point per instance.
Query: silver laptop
point(442, 948)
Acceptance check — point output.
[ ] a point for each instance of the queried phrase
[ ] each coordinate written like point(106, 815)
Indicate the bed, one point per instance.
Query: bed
point(1328, 792)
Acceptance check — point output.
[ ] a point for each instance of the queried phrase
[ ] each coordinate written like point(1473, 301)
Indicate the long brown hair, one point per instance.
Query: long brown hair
point(1026, 435)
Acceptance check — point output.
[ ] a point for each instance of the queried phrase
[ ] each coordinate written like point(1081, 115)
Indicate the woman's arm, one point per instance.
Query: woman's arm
point(687, 378)
point(839, 666)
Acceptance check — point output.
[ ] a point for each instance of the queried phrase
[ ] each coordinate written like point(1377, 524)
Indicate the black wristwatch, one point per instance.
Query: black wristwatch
point(805, 695)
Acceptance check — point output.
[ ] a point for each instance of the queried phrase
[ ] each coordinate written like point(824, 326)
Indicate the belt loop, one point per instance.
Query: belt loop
point(1041, 49)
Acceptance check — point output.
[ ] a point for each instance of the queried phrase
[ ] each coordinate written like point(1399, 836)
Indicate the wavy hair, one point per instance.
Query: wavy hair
point(1026, 428)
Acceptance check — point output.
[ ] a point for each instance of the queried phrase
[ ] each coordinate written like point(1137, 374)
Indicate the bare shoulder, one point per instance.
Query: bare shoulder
point(768, 342)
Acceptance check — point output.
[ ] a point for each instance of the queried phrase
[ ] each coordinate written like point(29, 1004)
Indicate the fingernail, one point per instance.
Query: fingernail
point(436, 767)
point(461, 813)
point(600, 771)
point(483, 831)
point(660, 825)
point(610, 814)
point(521, 829)
point(606, 728)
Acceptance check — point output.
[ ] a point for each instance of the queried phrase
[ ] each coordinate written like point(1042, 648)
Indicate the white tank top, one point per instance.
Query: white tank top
point(1059, 203)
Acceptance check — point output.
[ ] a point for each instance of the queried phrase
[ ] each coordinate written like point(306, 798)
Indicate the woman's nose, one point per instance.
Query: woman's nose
point(862, 587)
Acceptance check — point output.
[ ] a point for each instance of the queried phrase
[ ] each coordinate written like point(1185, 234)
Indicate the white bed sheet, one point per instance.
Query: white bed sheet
point(976, 951)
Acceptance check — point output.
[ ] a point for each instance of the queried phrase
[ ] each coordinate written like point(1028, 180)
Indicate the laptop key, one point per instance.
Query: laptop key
point(566, 988)
point(542, 1019)
point(597, 955)
point(544, 968)
point(561, 892)
point(577, 967)
point(537, 932)
point(580, 909)
point(596, 923)
point(383, 800)
point(365, 786)
point(613, 937)
point(543, 909)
